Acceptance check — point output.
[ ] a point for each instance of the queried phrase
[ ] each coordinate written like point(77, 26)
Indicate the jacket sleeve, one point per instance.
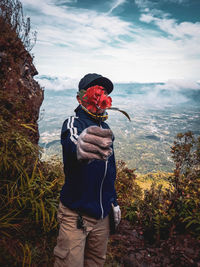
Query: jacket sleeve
point(114, 200)
point(70, 132)
point(115, 203)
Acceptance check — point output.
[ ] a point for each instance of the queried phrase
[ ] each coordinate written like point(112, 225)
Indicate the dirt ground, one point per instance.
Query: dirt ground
point(129, 248)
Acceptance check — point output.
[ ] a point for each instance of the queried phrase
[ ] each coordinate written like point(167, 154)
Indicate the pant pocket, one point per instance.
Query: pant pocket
point(60, 252)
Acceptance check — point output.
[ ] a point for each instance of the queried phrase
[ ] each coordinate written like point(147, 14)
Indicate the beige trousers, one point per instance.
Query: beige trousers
point(76, 248)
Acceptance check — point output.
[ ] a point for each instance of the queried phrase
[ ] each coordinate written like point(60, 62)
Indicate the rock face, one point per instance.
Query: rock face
point(20, 95)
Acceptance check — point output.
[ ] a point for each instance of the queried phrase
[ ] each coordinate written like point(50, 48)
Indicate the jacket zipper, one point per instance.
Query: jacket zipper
point(101, 189)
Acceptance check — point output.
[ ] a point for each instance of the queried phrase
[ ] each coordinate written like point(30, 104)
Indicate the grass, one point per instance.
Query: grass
point(145, 181)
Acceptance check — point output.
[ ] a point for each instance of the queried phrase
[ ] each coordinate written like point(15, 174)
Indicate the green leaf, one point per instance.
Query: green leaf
point(28, 126)
point(191, 222)
point(81, 93)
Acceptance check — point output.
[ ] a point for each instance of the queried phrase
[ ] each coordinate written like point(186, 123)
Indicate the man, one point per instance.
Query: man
point(88, 195)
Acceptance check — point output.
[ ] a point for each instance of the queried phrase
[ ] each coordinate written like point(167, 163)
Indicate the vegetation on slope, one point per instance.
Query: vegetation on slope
point(29, 188)
point(164, 228)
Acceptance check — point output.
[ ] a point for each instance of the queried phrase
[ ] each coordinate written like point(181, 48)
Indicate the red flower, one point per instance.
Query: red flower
point(92, 108)
point(95, 99)
point(94, 92)
point(105, 101)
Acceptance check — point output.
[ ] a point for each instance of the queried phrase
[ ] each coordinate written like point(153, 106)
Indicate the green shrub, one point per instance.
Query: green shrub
point(128, 191)
point(186, 180)
point(29, 196)
point(161, 212)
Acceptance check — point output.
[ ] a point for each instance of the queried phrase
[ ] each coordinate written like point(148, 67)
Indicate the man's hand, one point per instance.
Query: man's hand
point(117, 215)
point(94, 143)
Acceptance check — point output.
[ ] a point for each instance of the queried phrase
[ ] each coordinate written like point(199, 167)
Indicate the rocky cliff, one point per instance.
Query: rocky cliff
point(20, 95)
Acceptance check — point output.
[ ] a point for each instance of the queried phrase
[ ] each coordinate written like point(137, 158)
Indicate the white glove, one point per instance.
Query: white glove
point(117, 215)
point(94, 143)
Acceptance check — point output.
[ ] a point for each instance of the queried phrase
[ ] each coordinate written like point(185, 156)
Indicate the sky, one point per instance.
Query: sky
point(124, 40)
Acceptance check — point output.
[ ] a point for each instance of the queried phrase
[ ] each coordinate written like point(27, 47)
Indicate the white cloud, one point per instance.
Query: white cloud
point(143, 4)
point(64, 83)
point(177, 1)
point(116, 4)
point(74, 41)
point(171, 27)
point(57, 83)
point(180, 30)
point(181, 84)
point(64, 2)
point(75, 27)
point(147, 18)
point(185, 39)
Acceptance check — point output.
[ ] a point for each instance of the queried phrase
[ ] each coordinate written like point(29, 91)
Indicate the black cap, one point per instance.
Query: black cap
point(92, 79)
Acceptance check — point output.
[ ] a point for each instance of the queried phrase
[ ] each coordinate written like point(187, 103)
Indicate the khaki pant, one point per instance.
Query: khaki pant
point(76, 248)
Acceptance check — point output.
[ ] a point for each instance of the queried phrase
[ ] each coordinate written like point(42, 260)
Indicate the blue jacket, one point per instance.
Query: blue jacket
point(89, 188)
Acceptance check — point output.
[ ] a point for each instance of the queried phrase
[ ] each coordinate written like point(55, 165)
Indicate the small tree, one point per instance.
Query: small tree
point(11, 15)
point(186, 180)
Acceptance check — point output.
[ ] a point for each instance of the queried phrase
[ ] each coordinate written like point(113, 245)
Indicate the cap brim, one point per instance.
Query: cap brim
point(103, 81)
